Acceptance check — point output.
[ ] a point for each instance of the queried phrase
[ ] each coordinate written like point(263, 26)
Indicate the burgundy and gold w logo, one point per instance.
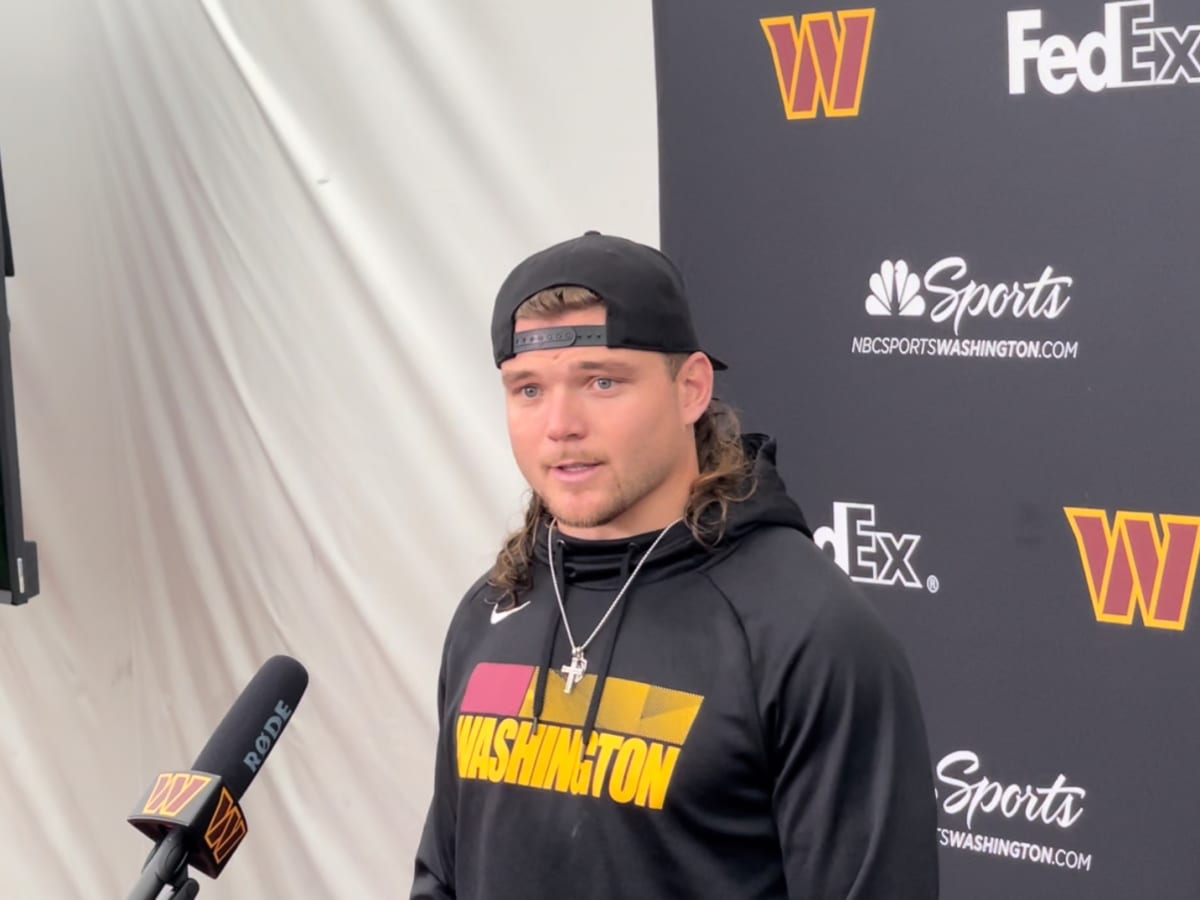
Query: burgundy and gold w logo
point(172, 792)
point(226, 828)
point(1135, 564)
point(819, 63)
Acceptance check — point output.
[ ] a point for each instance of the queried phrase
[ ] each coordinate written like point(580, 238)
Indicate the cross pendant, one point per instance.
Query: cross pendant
point(573, 673)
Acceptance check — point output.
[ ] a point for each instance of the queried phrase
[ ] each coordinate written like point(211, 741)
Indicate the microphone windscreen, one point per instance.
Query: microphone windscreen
point(251, 728)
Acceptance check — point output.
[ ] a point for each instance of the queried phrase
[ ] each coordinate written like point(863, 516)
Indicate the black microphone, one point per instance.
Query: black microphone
point(194, 816)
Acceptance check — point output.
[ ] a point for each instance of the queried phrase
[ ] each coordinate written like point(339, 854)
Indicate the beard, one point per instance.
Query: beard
point(603, 513)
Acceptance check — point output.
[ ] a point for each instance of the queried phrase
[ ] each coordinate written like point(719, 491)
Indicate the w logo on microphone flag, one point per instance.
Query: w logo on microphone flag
point(173, 791)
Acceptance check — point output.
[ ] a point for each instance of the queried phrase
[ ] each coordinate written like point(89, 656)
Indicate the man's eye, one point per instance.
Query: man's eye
point(529, 392)
point(604, 384)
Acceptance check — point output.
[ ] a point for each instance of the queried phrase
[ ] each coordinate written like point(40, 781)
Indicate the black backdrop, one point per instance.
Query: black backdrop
point(968, 308)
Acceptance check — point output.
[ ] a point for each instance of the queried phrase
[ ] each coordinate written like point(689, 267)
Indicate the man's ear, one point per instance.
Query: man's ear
point(695, 386)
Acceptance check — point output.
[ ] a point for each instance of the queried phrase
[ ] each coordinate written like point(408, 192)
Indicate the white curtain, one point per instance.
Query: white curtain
point(256, 248)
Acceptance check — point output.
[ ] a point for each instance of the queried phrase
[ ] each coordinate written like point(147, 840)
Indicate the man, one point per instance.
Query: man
point(663, 688)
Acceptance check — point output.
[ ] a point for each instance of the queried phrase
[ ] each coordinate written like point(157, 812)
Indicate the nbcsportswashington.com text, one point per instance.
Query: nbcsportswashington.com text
point(964, 347)
point(1021, 850)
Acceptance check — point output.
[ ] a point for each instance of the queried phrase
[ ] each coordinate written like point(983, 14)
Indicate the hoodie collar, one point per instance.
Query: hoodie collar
point(605, 564)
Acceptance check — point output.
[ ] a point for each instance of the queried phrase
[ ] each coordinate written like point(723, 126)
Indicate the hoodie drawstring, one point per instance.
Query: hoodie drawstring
point(589, 723)
point(543, 672)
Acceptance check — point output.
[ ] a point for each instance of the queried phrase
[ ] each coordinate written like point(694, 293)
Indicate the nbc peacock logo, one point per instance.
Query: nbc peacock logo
point(895, 291)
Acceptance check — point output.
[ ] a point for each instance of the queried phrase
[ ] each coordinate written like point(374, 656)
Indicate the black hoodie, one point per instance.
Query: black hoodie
point(755, 735)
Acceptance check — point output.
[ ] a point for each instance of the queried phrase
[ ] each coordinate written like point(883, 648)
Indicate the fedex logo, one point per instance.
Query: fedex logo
point(1130, 52)
point(870, 555)
point(819, 64)
point(1135, 564)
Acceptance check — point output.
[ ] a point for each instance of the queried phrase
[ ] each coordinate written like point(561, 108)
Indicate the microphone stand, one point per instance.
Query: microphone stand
point(166, 865)
point(185, 888)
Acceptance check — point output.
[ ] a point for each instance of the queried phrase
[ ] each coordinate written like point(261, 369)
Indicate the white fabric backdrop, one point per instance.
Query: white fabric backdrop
point(256, 246)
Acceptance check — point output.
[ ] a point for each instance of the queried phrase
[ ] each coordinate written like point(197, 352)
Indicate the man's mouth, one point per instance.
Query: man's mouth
point(573, 471)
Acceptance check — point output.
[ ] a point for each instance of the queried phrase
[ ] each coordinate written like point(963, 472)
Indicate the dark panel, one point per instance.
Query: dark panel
point(972, 437)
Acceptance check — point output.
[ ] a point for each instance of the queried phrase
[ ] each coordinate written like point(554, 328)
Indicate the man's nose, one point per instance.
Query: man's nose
point(564, 416)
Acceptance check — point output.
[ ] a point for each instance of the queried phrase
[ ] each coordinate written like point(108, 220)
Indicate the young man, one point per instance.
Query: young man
point(663, 688)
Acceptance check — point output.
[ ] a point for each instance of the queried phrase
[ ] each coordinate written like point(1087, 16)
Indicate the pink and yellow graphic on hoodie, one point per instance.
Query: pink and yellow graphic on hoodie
point(629, 758)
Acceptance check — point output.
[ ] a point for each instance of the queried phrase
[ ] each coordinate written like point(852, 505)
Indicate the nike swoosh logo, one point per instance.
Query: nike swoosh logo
point(501, 615)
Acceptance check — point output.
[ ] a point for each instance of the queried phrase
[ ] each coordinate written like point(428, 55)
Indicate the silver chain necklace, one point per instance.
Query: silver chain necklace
point(573, 672)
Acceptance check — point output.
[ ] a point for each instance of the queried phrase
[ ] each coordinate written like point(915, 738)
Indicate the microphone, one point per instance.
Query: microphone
point(194, 816)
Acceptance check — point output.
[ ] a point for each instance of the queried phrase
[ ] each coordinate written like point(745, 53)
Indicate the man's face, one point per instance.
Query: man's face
point(604, 436)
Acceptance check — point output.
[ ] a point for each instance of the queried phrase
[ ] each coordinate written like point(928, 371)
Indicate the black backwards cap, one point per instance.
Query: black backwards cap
point(641, 288)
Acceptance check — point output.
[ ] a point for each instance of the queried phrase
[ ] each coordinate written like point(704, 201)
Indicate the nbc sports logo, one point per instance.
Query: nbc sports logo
point(946, 293)
point(954, 296)
point(1135, 564)
point(895, 291)
point(820, 64)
